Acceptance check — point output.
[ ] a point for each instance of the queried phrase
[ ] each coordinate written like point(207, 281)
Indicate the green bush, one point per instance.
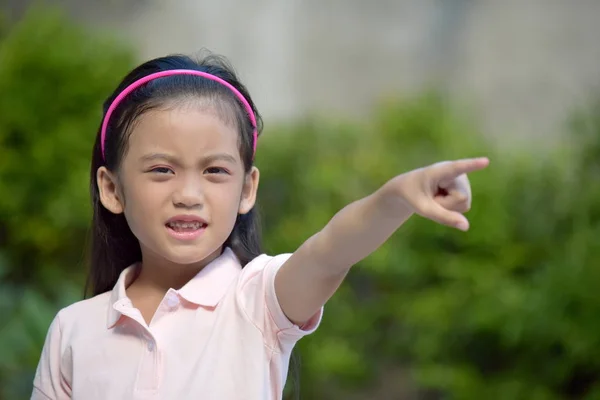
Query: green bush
point(506, 311)
point(53, 79)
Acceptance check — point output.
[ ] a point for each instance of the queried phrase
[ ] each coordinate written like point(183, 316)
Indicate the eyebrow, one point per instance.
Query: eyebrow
point(173, 160)
point(220, 157)
point(158, 156)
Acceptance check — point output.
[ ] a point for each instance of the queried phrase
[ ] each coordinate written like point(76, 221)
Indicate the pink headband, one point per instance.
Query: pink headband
point(161, 74)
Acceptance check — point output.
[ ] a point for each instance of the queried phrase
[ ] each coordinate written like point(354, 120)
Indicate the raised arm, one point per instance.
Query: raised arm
point(440, 192)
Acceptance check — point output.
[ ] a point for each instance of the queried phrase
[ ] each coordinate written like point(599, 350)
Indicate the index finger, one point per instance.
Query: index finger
point(454, 169)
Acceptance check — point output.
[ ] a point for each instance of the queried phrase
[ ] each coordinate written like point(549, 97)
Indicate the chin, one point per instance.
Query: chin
point(183, 252)
point(181, 258)
point(189, 255)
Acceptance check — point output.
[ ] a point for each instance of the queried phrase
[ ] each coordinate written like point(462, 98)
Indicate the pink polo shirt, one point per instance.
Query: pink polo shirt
point(222, 336)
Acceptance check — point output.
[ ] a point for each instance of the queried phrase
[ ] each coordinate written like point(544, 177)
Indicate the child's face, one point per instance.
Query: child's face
point(181, 163)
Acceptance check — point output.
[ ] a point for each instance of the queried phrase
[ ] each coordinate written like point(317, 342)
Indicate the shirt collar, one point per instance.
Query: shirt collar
point(209, 285)
point(205, 289)
point(118, 297)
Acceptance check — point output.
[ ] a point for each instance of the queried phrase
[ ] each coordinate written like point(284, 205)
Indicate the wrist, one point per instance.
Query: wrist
point(391, 200)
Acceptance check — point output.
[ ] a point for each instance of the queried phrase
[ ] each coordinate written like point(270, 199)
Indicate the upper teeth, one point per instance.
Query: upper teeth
point(195, 225)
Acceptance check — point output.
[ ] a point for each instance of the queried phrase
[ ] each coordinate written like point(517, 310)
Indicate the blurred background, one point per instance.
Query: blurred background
point(352, 93)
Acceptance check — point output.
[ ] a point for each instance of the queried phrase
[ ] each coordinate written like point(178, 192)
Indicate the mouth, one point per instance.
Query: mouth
point(181, 226)
point(186, 228)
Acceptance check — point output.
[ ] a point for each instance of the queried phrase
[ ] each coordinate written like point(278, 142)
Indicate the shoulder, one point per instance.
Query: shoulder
point(83, 315)
point(263, 264)
point(257, 297)
point(74, 325)
point(257, 277)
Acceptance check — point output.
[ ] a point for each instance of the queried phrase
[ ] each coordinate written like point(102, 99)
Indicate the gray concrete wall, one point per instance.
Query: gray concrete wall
point(522, 65)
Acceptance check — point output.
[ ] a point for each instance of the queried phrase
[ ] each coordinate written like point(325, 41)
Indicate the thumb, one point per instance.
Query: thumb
point(441, 215)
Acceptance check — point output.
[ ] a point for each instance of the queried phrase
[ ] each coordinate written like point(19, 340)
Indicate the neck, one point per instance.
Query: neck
point(159, 275)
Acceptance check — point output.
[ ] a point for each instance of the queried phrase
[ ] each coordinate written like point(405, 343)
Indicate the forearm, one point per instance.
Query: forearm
point(358, 230)
point(314, 272)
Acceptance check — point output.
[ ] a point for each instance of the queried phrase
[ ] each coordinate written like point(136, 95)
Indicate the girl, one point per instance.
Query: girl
point(185, 305)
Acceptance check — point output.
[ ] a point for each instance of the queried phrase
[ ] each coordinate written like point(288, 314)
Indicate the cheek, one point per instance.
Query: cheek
point(227, 199)
point(225, 203)
point(141, 200)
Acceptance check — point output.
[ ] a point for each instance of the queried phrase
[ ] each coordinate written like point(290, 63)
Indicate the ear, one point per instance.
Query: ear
point(109, 191)
point(249, 191)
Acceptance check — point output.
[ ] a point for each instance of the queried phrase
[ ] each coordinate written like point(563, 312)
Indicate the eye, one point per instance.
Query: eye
point(162, 170)
point(216, 170)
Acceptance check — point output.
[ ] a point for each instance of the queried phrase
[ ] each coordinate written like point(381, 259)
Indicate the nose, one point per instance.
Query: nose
point(189, 193)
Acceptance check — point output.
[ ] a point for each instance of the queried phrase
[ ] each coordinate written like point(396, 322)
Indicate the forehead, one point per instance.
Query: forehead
point(186, 131)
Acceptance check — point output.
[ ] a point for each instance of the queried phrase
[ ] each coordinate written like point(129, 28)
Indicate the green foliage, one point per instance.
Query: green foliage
point(505, 311)
point(53, 80)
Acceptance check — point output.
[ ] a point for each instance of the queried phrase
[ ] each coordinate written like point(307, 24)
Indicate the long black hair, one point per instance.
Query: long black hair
point(113, 246)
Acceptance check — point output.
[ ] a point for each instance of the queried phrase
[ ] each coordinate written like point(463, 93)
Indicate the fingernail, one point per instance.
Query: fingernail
point(463, 226)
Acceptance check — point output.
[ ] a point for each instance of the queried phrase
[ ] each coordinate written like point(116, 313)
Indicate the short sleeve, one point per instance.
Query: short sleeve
point(256, 293)
point(49, 382)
